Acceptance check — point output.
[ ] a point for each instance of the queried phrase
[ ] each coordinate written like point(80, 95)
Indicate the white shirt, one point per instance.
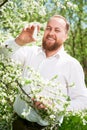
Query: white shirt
point(67, 68)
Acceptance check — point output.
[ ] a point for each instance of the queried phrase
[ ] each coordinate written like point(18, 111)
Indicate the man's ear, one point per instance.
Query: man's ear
point(65, 38)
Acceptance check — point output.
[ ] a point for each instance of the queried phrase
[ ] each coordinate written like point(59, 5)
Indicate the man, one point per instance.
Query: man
point(50, 59)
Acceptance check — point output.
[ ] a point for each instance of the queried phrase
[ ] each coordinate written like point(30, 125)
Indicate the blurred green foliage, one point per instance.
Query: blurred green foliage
point(75, 121)
point(15, 14)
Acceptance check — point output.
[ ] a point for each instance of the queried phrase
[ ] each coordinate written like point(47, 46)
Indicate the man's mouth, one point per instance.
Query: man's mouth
point(50, 39)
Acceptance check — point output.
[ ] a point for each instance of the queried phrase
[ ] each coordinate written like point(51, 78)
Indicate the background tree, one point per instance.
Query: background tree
point(15, 14)
point(2, 2)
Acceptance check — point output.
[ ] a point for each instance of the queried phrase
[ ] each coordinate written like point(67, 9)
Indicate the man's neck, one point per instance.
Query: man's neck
point(51, 53)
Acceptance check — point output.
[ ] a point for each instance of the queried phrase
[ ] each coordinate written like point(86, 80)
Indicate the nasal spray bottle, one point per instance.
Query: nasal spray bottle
point(35, 33)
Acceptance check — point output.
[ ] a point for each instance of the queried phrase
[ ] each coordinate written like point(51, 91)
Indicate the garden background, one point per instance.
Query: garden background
point(15, 14)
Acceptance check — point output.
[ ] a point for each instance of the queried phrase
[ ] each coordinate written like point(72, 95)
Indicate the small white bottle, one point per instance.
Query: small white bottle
point(35, 33)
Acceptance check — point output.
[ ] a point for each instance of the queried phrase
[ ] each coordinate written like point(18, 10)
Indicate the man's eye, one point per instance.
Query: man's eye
point(48, 28)
point(57, 30)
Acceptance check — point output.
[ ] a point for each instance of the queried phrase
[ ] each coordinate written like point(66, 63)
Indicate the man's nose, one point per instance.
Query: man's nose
point(51, 32)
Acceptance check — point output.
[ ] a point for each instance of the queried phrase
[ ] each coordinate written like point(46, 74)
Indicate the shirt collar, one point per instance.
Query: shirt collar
point(59, 53)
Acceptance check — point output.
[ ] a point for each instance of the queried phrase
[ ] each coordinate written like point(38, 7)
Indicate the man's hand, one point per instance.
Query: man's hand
point(28, 34)
point(39, 105)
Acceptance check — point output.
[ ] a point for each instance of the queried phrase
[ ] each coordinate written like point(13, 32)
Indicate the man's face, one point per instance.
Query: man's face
point(55, 34)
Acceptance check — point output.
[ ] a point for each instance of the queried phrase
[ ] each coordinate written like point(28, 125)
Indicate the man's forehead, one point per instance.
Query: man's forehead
point(56, 19)
point(56, 22)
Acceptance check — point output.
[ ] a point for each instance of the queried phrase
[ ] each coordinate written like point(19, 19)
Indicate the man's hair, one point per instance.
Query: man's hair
point(61, 17)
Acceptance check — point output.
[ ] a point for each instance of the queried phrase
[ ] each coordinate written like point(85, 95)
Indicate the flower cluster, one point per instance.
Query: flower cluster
point(50, 93)
point(10, 80)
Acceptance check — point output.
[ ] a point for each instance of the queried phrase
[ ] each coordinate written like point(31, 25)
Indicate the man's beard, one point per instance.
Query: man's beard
point(47, 47)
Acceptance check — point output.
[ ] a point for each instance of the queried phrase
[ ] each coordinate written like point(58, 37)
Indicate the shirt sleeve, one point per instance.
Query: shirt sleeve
point(10, 43)
point(77, 92)
point(18, 53)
